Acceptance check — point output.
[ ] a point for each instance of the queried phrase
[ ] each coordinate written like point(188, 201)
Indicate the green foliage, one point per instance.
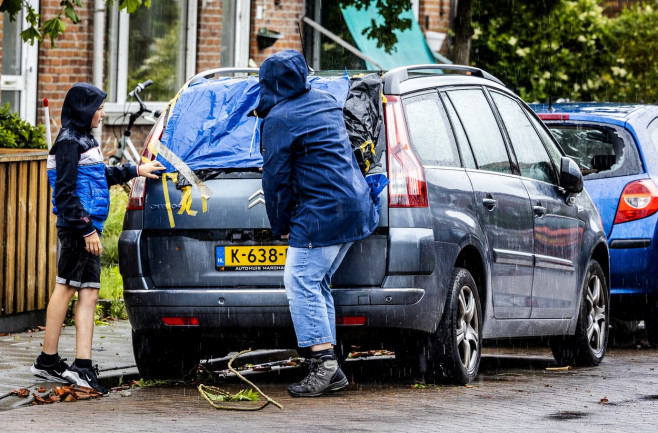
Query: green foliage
point(242, 395)
point(634, 75)
point(17, 133)
point(112, 290)
point(558, 48)
point(569, 49)
point(55, 26)
point(113, 226)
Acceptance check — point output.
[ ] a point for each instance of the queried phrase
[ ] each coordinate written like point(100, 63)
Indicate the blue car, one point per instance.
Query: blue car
point(616, 147)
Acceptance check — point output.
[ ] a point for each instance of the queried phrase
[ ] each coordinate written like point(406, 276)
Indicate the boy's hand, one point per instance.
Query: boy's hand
point(147, 169)
point(93, 244)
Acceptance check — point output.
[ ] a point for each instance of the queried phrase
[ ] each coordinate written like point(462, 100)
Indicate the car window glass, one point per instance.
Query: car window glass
point(531, 156)
point(481, 129)
point(600, 150)
point(653, 133)
point(429, 130)
point(550, 144)
point(460, 136)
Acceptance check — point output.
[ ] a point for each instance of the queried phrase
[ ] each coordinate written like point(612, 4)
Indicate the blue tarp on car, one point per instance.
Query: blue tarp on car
point(210, 126)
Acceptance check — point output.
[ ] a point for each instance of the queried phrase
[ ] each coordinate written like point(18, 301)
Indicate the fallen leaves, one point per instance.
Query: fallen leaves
point(370, 353)
point(22, 392)
point(68, 393)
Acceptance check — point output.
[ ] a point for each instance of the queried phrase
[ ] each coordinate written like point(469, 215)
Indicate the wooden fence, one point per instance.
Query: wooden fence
point(28, 237)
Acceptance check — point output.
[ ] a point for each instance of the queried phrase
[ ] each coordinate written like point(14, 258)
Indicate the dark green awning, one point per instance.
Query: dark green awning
point(411, 48)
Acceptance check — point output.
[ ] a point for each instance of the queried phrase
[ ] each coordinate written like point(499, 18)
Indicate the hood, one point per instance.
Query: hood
point(281, 76)
point(80, 105)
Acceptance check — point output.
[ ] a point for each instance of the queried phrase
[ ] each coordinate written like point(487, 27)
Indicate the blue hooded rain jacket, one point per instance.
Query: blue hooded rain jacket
point(313, 187)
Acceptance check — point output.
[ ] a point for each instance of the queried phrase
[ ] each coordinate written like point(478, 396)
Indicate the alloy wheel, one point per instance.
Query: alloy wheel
point(596, 312)
point(468, 329)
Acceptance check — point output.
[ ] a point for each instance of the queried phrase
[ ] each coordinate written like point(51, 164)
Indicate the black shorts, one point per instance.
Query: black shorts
point(76, 266)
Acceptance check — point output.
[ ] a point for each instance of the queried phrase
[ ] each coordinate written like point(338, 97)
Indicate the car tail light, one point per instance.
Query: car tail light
point(180, 321)
point(138, 189)
point(545, 116)
point(351, 320)
point(639, 200)
point(407, 186)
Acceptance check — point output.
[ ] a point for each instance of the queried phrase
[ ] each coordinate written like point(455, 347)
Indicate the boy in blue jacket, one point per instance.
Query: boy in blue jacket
point(316, 196)
point(81, 200)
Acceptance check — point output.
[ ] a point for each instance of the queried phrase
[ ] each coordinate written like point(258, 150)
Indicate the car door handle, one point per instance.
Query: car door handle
point(489, 203)
point(540, 211)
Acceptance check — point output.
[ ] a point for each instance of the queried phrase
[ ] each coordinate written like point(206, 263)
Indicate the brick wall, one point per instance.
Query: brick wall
point(434, 15)
point(209, 35)
point(281, 16)
point(68, 63)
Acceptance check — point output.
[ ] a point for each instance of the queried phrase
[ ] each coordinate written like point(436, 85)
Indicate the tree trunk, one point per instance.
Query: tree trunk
point(463, 32)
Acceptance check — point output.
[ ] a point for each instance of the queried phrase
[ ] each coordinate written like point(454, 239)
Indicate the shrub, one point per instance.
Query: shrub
point(556, 48)
point(635, 76)
point(112, 289)
point(113, 226)
point(16, 133)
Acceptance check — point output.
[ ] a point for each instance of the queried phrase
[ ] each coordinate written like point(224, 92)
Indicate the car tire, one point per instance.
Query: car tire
point(457, 344)
point(651, 321)
point(164, 356)
point(451, 354)
point(587, 346)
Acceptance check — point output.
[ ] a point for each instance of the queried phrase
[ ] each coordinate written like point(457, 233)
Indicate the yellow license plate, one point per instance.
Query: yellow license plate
point(250, 258)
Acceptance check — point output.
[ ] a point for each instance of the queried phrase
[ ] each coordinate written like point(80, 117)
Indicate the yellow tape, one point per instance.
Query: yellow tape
point(186, 202)
point(165, 190)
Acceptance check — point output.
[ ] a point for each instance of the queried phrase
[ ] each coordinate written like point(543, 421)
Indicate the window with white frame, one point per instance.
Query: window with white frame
point(18, 75)
point(157, 43)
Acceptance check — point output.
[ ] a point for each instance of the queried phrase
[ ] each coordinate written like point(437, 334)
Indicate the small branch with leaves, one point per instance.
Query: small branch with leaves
point(54, 27)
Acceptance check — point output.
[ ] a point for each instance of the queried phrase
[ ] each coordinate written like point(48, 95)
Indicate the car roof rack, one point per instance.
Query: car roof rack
point(211, 72)
point(394, 77)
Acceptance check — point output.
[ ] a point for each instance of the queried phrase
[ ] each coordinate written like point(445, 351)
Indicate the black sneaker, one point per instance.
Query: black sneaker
point(52, 372)
point(325, 377)
point(84, 377)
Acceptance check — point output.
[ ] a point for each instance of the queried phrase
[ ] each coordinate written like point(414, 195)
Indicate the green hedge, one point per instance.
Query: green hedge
point(569, 49)
point(16, 133)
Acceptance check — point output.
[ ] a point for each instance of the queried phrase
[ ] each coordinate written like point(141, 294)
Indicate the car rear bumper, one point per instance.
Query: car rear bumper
point(264, 308)
point(633, 255)
point(632, 270)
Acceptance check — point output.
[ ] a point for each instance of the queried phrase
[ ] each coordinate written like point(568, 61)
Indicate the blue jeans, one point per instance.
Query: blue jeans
point(307, 276)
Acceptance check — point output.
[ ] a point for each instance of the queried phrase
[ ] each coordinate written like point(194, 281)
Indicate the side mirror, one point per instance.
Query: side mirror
point(571, 179)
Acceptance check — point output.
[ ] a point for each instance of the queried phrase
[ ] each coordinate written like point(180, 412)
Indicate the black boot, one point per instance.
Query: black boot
point(325, 377)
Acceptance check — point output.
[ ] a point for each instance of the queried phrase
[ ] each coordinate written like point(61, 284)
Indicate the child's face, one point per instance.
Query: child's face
point(98, 116)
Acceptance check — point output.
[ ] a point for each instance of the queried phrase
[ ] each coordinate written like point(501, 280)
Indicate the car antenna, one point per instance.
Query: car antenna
point(301, 40)
point(550, 104)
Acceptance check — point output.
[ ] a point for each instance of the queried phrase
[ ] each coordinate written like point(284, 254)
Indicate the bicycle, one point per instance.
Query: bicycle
point(125, 149)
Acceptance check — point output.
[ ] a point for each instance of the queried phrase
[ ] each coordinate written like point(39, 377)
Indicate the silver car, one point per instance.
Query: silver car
point(485, 232)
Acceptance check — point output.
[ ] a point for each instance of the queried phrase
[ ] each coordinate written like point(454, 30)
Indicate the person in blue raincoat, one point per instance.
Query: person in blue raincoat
point(315, 195)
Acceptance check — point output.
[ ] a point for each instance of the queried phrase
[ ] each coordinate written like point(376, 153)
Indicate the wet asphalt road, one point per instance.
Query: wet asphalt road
point(514, 392)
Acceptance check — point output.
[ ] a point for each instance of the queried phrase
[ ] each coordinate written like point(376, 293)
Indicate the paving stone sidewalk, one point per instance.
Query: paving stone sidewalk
point(111, 350)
